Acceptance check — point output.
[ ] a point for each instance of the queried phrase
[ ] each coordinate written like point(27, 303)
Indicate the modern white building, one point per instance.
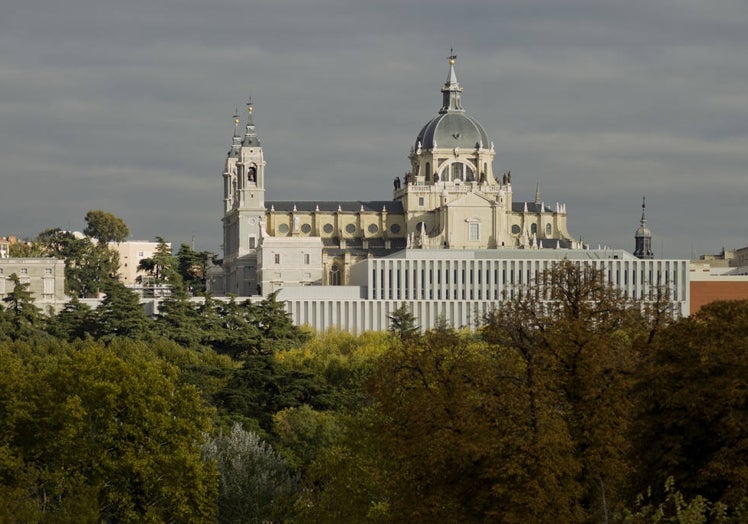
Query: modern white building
point(461, 286)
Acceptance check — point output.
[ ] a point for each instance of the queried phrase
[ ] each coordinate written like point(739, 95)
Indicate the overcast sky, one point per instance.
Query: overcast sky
point(127, 106)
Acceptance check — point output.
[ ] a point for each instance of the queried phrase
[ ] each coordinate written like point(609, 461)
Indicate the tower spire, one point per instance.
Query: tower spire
point(235, 139)
point(451, 90)
point(643, 236)
point(250, 135)
point(537, 193)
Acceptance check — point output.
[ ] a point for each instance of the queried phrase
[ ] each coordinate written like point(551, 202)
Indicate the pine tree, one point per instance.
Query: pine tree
point(24, 318)
point(121, 314)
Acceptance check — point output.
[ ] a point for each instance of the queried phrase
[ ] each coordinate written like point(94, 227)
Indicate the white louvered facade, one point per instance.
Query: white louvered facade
point(462, 286)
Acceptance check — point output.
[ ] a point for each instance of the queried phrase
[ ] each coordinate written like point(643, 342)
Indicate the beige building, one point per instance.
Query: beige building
point(45, 276)
point(130, 255)
point(449, 199)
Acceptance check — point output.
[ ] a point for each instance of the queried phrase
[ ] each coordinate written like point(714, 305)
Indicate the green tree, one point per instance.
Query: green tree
point(178, 320)
point(677, 510)
point(105, 435)
point(303, 433)
point(262, 387)
point(89, 265)
point(121, 314)
point(162, 268)
point(255, 482)
point(692, 422)
point(403, 323)
point(193, 267)
point(75, 320)
point(105, 227)
point(23, 317)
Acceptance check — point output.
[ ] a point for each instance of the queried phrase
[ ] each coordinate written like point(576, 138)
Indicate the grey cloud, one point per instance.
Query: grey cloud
point(127, 106)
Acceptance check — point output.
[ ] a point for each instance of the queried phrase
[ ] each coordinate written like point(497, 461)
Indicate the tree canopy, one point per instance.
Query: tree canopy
point(105, 227)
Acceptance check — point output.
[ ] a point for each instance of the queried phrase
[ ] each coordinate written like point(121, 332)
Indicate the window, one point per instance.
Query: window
point(334, 275)
point(252, 242)
point(373, 228)
point(24, 271)
point(548, 229)
point(350, 228)
point(457, 171)
point(307, 258)
point(395, 228)
point(534, 229)
point(49, 286)
point(47, 270)
point(277, 259)
point(473, 232)
point(283, 228)
point(141, 254)
point(515, 229)
point(306, 228)
point(327, 228)
point(420, 201)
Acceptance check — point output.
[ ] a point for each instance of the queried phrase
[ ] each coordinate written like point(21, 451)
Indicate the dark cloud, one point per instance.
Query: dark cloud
point(126, 106)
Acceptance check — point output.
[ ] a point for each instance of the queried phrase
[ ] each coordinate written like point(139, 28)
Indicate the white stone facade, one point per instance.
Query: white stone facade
point(289, 262)
point(462, 286)
point(45, 276)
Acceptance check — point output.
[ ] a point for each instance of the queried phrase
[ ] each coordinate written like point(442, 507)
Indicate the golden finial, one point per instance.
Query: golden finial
point(452, 56)
point(249, 105)
point(236, 116)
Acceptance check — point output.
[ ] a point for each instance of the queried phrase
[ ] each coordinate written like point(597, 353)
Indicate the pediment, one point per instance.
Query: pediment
point(471, 200)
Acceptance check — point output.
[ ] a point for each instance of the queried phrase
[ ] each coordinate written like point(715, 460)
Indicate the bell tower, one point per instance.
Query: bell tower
point(244, 208)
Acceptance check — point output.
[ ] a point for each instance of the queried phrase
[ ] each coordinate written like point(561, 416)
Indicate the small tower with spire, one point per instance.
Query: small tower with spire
point(643, 236)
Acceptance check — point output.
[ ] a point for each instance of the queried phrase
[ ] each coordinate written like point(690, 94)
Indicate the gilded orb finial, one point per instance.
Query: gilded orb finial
point(452, 56)
point(249, 105)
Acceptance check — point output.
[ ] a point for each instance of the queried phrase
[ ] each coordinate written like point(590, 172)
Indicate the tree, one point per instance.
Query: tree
point(179, 319)
point(580, 343)
point(162, 268)
point(255, 482)
point(121, 314)
point(676, 509)
point(262, 387)
point(105, 227)
point(89, 265)
point(304, 433)
point(193, 267)
point(692, 422)
point(75, 320)
point(23, 316)
point(403, 323)
point(106, 434)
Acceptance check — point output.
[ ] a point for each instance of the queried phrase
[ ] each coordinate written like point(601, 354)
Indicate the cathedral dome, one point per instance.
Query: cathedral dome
point(453, 129)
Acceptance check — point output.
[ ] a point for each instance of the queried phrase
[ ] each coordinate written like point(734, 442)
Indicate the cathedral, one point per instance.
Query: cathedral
point(450, 199)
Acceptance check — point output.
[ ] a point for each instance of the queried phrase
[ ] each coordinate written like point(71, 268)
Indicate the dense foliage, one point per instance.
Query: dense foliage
point(571, 406)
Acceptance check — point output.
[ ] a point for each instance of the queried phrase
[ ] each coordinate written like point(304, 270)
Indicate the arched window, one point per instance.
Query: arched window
point(534, 229)
point(458, 171)
point(428, 171)
point(252, 175)
point(334, 275)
